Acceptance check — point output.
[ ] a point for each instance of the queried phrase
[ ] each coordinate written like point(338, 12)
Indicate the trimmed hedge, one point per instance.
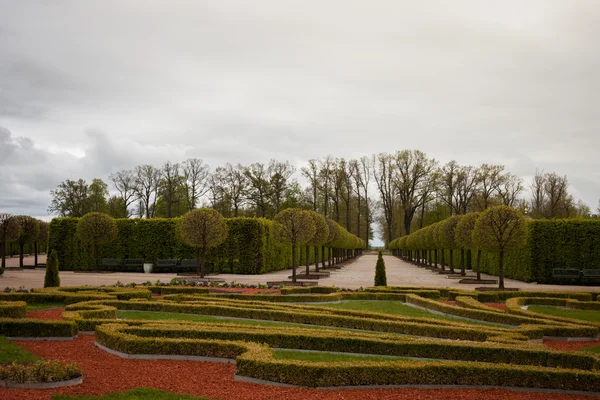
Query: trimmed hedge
point(36, 328)
point(250, 247)
point(469, 302)
point(13, 309)
point(40, 371)
point(255, 360)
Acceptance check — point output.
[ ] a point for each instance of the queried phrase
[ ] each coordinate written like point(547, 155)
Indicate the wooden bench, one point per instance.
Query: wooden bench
point(133, 264)
point(566, 274)
point(589, 275)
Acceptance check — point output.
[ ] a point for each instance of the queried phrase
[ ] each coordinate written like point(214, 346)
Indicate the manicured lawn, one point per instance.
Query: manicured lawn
point(396, 308)
point(10, 352)
point(43, 306)
point(136, 394)
point(586, 315)
point(592, 349)
point(317, 356)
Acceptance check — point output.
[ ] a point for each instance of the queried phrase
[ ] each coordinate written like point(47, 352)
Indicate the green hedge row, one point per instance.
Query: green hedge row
point(13, 309)
point(250, 248)
point(469, 302)
point(309, 289)
point(36, 328)
point(566, 243)
point(529, 367)
point(359, 342)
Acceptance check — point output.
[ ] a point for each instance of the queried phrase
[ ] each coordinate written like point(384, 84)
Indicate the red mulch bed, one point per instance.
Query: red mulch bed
point(570, 346)
point(500, 306)
point(105, 373)
point(55, 313)
point(450, 303)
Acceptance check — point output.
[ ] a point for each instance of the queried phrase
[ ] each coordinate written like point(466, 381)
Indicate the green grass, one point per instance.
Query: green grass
point(162, 316)
point(586, 315)
point(43, 306)
point(591, 349)
point(10, 352)
point(396, 308)
point(136, 394)
point(318, 356)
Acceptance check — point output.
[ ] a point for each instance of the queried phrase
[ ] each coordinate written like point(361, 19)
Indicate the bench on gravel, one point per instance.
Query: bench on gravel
point(567, 273)
point(133, 264)
point(589, 275)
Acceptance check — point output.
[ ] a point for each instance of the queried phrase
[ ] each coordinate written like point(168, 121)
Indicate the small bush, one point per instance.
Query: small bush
point(52, 279)
point(380, 277)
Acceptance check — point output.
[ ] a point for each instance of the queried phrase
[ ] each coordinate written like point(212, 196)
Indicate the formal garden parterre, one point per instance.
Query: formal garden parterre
point(468, 343)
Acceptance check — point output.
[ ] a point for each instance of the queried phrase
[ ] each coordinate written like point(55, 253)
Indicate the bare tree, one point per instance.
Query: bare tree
point(125, 183)
point(383, 172)
point(279, 175)
point(356, 181)
point(196, 181)
point(147, 180)
point(69, 199)
point(366, 168)
point(326, 171)
point(169, 186)
point(236, 185)
point(259, 187)
point(466, 186)
point(411, 180)
point(509, 189)
point(489, 178)
point(448, 183)
point(311, 172)
point(345, 174)
point(550, 196)
point(10, 229)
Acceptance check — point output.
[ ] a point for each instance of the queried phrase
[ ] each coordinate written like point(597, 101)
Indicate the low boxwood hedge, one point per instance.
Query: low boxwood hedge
point(36, 328)
point(469, 302)
point(13, 309)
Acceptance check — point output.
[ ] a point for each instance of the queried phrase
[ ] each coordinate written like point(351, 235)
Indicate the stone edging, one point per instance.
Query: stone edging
point(42, 385)
point(164, 356)
point(239, 378)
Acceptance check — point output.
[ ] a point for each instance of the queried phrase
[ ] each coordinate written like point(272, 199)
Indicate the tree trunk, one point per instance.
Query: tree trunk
point(323, 256)
point(3, 254)
point(307, 259)
point(501, 271)
point(294, 263)
point(435, 260)
point(316, 258)
point(478, 265)
point(95, 252)
point(21, 250)
point(451, 262)
point(462, 262)
point(35, 253)
point(443, 261)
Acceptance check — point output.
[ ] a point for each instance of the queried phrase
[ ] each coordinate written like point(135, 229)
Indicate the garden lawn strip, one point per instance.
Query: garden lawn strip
point(105, 373)
point(10, 352)
point(585, 315)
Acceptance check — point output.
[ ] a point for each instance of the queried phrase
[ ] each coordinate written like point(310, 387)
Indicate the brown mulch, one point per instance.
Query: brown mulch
point(106, 373)
point(450, 303)
point(569, 346)
point(55, 313)
point(500, 306)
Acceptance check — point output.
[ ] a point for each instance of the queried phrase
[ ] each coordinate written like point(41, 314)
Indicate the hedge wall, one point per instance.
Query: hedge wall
point(563, 243)
point(249, 249)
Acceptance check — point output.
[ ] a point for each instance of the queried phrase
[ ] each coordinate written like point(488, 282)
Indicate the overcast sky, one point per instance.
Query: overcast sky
point(91, 87)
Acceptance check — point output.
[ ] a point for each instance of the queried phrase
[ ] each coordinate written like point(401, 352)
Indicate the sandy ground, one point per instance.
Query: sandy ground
point(359, 273)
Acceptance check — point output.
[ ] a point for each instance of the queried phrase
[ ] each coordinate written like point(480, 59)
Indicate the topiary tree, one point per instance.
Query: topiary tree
point(332, 237)
point(445, 234)
point(380, 276)
point(320, 237)
point(296, 227)
point(41, 238)
point(464, 236)
point(500, 229)
point(97, 229)
point(9, 231)
point(51, 279)
point(202, 228)
point(29, 231)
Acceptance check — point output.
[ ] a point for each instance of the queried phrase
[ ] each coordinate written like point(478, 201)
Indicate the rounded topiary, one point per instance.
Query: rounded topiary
point(380, 277)
point(52, 279)
point(296, 227)
point(97, 228)
point(202, 228)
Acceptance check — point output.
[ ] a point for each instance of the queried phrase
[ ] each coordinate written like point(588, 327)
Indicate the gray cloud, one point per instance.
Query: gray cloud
point(101, 86)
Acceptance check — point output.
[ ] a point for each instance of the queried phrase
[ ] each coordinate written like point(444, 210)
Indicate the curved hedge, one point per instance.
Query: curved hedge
point(13, 309)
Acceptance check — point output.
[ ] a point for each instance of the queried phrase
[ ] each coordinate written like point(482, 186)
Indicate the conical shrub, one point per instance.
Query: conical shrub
point(52, 279)
point(380, 277)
